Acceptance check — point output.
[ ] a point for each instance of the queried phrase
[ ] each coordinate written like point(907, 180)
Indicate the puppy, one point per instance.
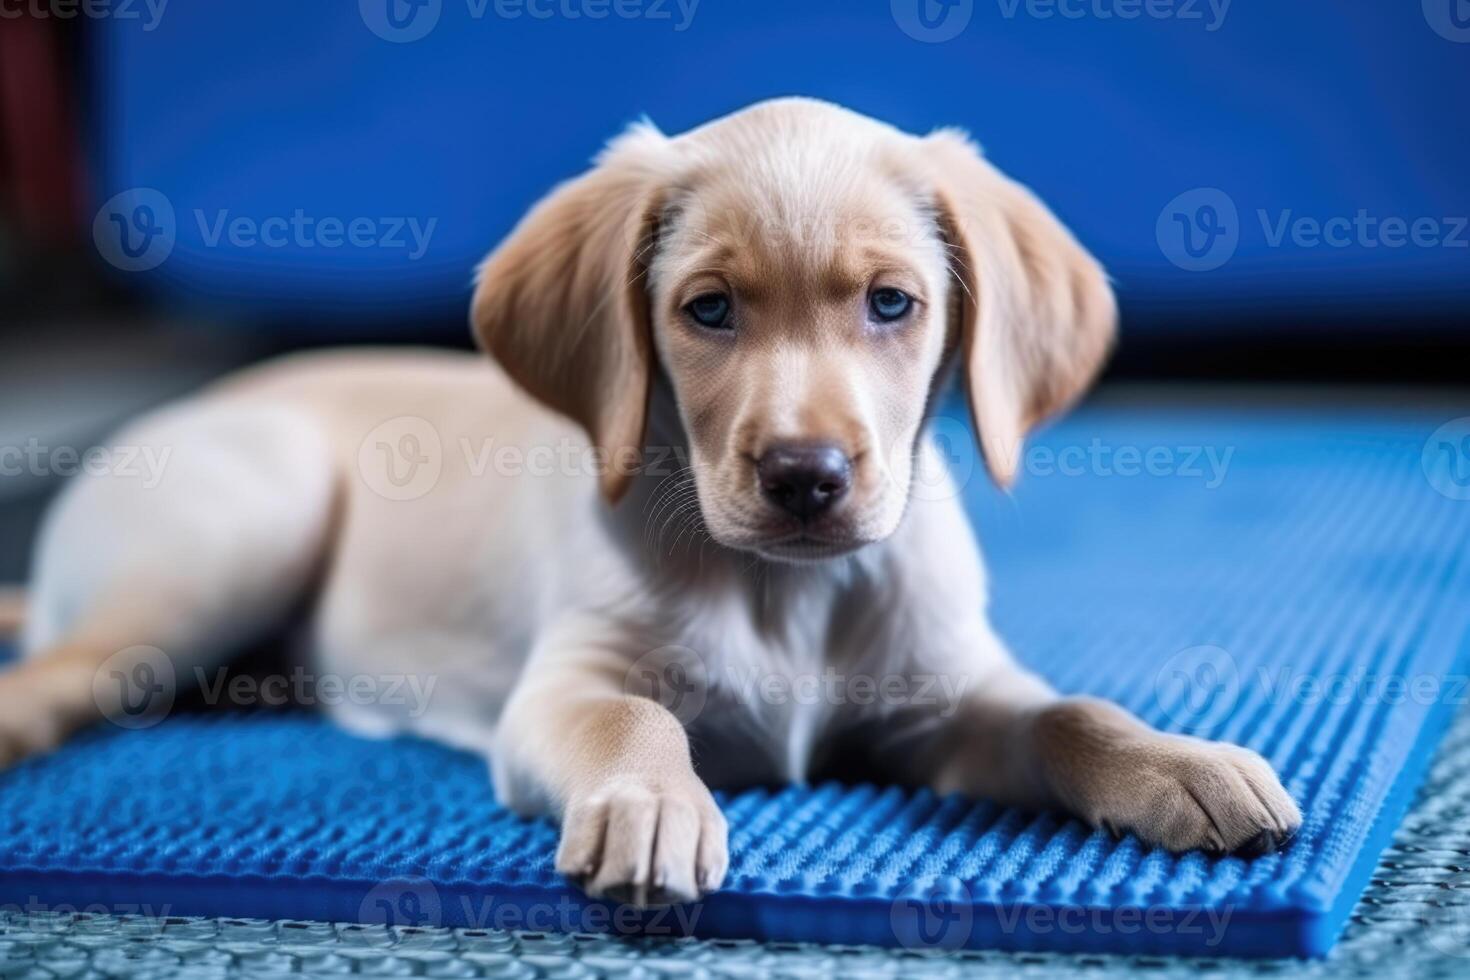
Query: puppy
point(761, 312)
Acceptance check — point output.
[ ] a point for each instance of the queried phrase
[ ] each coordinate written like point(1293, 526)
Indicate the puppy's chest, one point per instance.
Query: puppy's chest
point(773, 694)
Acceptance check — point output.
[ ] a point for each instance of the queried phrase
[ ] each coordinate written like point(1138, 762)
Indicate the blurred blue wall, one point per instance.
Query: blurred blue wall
point(1110, 109)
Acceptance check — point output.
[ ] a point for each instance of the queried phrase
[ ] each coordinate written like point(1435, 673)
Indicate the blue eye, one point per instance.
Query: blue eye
point(710, 310)
point(889, 304)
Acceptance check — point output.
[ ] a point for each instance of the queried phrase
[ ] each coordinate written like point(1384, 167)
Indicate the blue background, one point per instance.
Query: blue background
point(1321, 107)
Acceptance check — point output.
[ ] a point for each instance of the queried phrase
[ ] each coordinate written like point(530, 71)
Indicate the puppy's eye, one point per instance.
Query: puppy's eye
point(889, 304)
point(710, 310)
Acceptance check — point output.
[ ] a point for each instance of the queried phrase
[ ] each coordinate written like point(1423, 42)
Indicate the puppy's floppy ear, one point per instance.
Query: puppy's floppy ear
point(1037, 316)
point(562, 303)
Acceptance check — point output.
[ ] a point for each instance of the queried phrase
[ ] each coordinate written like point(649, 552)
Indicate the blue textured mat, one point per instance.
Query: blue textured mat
point(1295, 582)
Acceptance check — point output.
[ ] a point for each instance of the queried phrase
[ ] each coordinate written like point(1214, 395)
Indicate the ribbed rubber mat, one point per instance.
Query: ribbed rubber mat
point(1293, 581)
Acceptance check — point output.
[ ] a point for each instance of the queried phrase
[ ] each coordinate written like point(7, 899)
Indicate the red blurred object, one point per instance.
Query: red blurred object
point(38, 138)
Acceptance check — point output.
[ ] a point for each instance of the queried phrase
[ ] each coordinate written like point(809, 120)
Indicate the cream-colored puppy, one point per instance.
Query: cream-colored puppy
point(761, 310)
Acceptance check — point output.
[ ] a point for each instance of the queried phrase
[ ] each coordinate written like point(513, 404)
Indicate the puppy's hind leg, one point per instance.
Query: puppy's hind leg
point(149, 573)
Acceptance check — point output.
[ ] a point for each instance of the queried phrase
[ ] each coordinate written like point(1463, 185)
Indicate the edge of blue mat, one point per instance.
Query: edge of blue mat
point(1333, 919)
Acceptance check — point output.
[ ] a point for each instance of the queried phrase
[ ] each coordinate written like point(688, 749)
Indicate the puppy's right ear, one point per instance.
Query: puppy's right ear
point(562, 303)
point(1037, 316)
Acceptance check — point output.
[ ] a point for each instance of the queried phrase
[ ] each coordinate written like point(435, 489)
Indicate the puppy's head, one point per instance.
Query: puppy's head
point(801, 275)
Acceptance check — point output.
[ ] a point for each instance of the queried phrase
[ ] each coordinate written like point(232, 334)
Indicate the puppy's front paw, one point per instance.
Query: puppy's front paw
point(645, 843)
point(1184, 794)
point(1175, 791)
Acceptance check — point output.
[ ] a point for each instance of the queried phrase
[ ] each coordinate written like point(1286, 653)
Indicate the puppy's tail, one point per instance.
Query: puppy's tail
point(12, 613)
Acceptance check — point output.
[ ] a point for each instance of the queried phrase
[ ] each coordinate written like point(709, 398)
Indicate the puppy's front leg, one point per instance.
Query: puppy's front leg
point(1014, 740)
point(637, 825)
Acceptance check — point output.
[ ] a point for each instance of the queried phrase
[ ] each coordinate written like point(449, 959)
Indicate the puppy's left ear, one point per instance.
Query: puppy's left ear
point(562, 304)
point(1037, 317)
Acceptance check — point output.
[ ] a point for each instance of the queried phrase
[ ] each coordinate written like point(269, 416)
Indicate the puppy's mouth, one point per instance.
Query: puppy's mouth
point(804, 547)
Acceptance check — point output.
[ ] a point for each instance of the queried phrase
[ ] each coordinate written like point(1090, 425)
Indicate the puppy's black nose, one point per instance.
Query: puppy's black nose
point(804, 480)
